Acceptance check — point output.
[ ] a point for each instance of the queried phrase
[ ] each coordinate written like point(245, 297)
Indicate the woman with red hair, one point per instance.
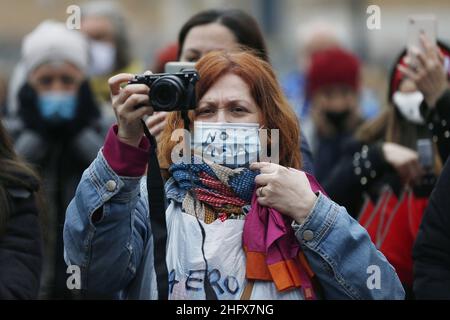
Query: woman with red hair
point(221, 29)
point(235, 230)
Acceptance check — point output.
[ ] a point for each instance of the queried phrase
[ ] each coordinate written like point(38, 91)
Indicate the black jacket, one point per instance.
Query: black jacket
point(362, 168)
point(21, 247)
point(432, 248)
point(438, 121)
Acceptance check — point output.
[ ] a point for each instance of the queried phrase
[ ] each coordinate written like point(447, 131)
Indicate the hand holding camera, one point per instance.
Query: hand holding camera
point(172, 91)
point(124, 102)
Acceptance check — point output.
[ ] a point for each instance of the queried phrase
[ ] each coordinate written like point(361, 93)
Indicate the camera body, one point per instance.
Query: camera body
point(174, 91)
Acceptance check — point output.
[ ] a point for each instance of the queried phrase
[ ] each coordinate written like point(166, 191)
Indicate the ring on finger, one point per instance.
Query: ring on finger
point(260, 192)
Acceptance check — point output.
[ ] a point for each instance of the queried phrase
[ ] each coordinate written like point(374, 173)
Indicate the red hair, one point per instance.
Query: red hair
point(265, 90)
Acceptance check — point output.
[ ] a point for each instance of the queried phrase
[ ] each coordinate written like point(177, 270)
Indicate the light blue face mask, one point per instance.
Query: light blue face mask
point(57, 106)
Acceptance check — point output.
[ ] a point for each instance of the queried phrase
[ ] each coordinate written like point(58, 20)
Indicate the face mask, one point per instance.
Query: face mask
point(103, 57)
point(409, 105)
point(57, 106)
point(230, 144)
point(337, 119)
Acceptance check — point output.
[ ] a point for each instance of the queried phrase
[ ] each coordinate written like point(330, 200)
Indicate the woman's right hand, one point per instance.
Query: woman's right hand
point(124, 102)
point(404, 160)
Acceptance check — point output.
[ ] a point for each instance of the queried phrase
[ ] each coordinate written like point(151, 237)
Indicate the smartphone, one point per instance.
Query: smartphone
point(177, 66)
point(426, 153)
point(418, 25)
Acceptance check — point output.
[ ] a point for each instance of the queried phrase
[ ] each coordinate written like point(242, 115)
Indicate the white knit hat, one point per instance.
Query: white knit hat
point(52, 41)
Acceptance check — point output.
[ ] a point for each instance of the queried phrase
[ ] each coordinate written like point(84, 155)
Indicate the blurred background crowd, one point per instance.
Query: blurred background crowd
point(360, 143)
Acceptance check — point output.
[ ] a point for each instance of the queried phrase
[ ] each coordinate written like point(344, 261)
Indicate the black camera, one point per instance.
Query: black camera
point(171, 91)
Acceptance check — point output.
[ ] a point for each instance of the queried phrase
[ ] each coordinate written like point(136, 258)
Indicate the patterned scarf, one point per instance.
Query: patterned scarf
point(271, 248)
point(221, 192)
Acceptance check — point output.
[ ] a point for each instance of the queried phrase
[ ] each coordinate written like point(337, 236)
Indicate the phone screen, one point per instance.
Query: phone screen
point(425, 151)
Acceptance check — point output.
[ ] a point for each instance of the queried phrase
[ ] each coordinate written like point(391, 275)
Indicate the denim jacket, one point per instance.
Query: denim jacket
point(115, 253)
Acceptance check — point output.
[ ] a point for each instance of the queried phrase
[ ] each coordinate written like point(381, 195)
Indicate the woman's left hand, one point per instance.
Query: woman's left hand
point(284, 189)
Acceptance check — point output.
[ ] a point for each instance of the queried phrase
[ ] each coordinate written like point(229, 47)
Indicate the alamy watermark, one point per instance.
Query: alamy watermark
point(374, 279)
point(74, 279)
point(73, 21)
point(373, 21)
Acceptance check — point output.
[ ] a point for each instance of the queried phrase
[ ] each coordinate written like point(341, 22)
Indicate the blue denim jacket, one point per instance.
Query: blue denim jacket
point(115, 254)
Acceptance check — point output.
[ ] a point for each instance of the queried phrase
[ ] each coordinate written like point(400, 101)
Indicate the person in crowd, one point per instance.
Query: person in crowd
point(216, 209)
point(212, 30)
point(58, 128)
point(333, 90)
point(384, 153)
point(21, 227)
point(384, 150)
point(313, 37)
point(431, 252)
point(432, 248)
point(105, 26)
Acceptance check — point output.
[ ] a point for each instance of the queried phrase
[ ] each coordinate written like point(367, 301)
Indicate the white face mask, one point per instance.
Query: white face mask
point(409, 105)
point(103, 57)
point(229, 144)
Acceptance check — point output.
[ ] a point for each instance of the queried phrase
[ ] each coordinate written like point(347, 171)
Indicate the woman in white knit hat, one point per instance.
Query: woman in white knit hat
point(58, 127)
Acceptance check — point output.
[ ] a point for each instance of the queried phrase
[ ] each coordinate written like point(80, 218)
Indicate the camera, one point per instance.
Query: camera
point(173, 90)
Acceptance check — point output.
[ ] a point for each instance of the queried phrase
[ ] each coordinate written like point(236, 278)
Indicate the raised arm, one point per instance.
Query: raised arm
point(106, 228)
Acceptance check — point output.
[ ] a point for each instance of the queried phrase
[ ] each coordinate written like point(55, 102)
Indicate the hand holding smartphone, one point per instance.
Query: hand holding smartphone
point(418, 26)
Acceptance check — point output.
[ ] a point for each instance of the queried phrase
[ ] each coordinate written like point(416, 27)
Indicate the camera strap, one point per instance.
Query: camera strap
point(157, 212)
point(209, 291)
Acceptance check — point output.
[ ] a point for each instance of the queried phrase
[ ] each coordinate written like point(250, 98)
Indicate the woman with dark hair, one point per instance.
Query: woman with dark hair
point(21, 242)
point(213, 30)
point(257, 230)
point(384, 149)
point(383, 160)
point(240, 25)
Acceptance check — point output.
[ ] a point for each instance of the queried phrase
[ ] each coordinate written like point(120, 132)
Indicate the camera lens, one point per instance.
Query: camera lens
point(166, 93)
